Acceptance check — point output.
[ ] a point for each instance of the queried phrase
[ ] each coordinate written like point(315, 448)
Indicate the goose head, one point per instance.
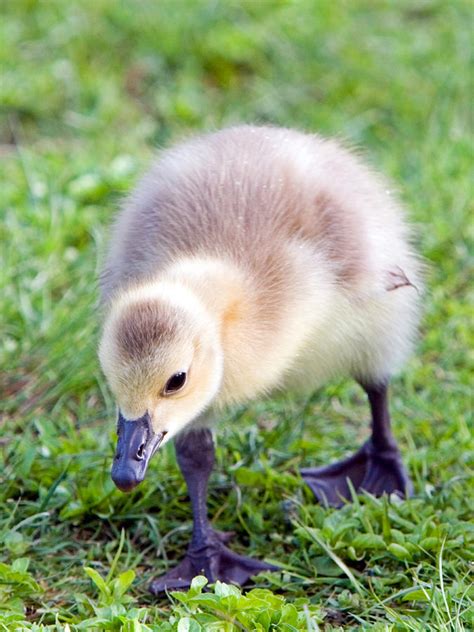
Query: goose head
point(161, 355)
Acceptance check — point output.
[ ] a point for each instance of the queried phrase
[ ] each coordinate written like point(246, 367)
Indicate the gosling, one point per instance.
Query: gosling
point(249, 260)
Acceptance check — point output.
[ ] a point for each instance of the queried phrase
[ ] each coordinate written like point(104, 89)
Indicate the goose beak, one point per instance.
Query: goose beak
point(136, 444)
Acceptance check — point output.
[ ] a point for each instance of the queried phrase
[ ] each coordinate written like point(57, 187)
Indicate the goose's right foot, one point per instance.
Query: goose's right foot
point(211, 558)
point(207, 553)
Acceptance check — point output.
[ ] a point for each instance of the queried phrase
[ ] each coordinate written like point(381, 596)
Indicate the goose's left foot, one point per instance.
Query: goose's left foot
point(376, 468)
point(214, 560)
point(369, 469)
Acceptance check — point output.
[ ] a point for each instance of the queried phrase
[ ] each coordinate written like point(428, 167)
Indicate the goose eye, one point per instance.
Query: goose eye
point(175, 383)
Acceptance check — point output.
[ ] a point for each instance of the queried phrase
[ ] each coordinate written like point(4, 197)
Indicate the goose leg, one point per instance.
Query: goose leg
point(207, 554)
point(376, 468)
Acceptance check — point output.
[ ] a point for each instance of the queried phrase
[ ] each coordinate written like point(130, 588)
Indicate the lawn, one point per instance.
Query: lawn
point(89, 91)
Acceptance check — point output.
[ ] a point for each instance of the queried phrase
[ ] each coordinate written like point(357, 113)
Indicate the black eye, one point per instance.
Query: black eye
point(175, 383)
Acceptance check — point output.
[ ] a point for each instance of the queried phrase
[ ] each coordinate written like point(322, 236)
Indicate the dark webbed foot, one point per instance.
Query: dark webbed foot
point(371, 470)
point(214, 560)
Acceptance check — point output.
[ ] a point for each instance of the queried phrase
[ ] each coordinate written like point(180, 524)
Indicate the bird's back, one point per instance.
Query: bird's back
point(245, 192)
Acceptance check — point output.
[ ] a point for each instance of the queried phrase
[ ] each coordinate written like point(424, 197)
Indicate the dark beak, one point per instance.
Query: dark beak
point(137, 443)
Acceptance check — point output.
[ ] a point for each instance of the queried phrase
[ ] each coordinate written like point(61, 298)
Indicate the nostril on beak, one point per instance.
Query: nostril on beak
point(141, 452)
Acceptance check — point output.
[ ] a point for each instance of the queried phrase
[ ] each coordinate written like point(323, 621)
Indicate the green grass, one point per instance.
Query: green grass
point(89, 89)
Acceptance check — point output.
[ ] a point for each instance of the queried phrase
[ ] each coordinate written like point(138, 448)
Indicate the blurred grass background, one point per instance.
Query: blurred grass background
point(89, 91)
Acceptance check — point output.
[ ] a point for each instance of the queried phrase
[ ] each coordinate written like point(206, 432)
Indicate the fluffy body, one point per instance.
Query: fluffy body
point(254, 258)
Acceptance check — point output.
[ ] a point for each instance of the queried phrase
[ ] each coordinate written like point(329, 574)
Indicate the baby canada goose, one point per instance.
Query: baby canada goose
point(247, 260)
